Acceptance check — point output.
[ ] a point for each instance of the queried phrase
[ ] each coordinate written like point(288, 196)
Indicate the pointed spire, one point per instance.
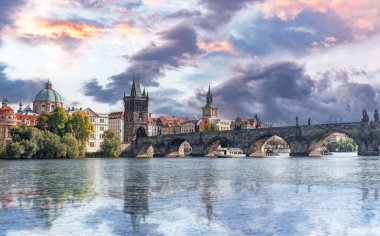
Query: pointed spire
point(20, 108)
point(209, 97)
point(136, 89)
point(144, 92)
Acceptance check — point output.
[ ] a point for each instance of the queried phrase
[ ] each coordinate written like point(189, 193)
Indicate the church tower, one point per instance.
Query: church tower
point(209, 111)
point(135, 113)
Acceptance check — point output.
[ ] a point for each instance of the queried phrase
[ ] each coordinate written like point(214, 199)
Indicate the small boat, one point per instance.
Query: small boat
point(229, 153)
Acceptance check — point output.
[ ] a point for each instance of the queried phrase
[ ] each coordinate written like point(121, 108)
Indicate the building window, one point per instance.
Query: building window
point(52, 107)
point(92, 120)
point(43, 107)
point(92, 144)
point(101, 128)
point(101, 120)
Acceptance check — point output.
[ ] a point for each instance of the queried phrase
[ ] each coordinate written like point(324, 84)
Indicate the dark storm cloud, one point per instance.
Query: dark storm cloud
point(221, 11)
point(18, 90)
point(180, 45)
point(281, 91)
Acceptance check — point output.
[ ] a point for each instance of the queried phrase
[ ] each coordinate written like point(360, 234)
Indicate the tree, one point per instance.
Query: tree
point(80, 126)
point(72, 145)
point(3, 152)
point(111, 145)
point(57, 121)
point(15, 150)
point(42, 121)
point(211, 127)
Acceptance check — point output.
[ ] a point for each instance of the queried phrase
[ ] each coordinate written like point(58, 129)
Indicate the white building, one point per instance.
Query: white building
point(116, 122)
point(224, 125)
point(154, 126)
point(100, 122)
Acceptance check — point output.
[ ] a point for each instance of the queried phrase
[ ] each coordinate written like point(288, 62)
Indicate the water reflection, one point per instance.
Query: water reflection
point(209, 187)
point(136, 193)
point(327, 196)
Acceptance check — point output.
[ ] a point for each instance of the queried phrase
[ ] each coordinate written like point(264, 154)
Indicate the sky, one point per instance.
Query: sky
point(275, 58)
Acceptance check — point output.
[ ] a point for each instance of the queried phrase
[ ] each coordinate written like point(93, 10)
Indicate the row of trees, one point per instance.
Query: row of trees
point(56, 135)
point(343, 145)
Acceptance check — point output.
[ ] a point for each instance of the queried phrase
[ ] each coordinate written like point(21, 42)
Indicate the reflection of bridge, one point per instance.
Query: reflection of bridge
point(302, 140)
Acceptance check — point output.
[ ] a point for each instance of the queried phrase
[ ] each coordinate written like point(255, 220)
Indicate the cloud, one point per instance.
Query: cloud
point(281, 91)
point(178, 48)
point(32, 28)
point(309, 30)
point(7, 10)
point(362, 17)
point(216, 46)
point(18, 90)
point(221, 12)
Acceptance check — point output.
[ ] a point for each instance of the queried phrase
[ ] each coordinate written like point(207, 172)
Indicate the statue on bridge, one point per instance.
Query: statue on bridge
point(376, 115)
point(365, 116)
point(309, 121)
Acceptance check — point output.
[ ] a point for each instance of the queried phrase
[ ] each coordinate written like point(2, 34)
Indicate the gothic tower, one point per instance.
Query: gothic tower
point(135, 113)
point(209, 111)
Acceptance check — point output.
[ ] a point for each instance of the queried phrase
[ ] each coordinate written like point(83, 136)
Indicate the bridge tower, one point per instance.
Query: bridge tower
point(135, 113)
point(209, 111)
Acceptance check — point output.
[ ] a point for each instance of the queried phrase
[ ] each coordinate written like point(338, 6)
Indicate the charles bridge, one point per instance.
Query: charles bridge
point(303, 140)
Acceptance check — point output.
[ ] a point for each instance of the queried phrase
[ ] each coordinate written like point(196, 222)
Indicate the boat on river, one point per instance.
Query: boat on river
point(229, 153)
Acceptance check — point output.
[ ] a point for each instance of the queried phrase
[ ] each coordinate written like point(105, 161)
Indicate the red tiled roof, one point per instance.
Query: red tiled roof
point(6, 109)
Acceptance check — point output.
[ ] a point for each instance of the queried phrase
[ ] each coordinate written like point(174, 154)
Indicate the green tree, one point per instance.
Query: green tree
point(3, 152)
point(57, 121)
point(211, 127)
point(72, 145)
point(42, 121)
point(79, 124)
point(111, 145)
point(15, 150)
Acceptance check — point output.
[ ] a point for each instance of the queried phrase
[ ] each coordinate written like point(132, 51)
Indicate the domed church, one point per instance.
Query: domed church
point(47, 99)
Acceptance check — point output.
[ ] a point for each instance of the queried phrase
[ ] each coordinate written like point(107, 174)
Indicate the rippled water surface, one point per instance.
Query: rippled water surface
point(191, 196)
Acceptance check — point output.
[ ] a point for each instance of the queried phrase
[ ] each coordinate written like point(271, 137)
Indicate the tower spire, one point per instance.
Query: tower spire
point(209, 96)
point(136, 89)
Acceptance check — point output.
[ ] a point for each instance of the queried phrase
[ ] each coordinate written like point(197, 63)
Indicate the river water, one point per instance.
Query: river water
point(336, 195)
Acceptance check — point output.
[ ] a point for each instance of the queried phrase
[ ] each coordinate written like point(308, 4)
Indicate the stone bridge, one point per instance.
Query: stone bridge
point(302, 140)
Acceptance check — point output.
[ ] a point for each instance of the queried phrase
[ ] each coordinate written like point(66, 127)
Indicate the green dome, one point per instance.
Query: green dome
point(48, 94)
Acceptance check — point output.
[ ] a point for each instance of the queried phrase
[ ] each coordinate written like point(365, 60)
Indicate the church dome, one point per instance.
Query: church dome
point(48, 94)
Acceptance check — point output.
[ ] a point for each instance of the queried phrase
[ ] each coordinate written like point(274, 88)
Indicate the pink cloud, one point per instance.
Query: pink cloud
point(216, 46)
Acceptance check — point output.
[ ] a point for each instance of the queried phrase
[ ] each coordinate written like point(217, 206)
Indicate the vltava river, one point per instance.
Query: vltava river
point(191, 196)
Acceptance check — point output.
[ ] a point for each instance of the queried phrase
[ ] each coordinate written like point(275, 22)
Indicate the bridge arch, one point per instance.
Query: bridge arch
point(145, 150)
point(257, 148)
point(178, 147)
point(141, 132)
point(317, 140)
point(214, 143)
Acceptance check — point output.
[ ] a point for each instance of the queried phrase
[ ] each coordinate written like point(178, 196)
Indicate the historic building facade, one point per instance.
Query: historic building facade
point(209, 111)
point(47, 99)
point(135, 113)
point(100, 122)
point(154, 126)
point(116, 123)
point(7, 120)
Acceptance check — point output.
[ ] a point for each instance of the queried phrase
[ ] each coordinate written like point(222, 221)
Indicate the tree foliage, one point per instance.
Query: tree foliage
point(111, 145)
point(57, 121)
point(211, 127)
point(30, 142)
point(343, 145)
point(79, 124)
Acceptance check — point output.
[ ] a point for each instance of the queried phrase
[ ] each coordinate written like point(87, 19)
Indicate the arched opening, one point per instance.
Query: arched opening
point(140, 133)
point(145, 150)
point(269, 145)
point(332, 142)
point(215, 144)
point(179, 148)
